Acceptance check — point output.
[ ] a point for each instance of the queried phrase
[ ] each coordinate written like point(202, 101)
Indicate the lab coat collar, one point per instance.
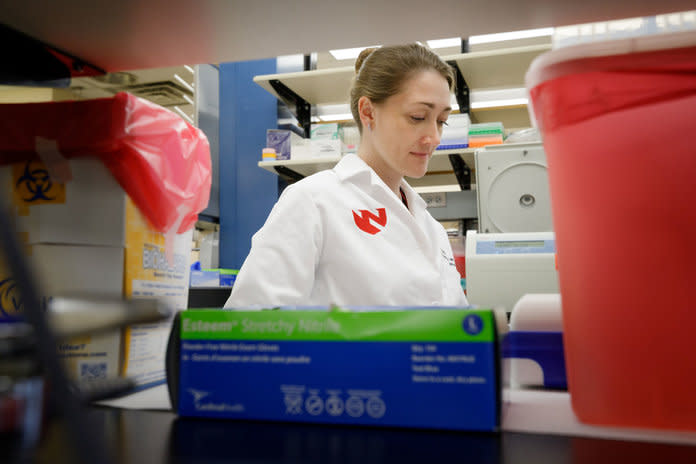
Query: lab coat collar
point(351, 165)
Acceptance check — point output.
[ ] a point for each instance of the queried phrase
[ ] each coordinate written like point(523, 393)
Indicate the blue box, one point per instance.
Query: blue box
point(205, 278)
point(545, 349)
point(421, 368)
point(279, 139)
point(227, 277)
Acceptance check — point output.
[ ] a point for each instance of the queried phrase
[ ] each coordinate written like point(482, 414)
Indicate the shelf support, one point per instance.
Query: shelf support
point(461, 91)
point(461, 171)
point(302, 108)
point(287, 173)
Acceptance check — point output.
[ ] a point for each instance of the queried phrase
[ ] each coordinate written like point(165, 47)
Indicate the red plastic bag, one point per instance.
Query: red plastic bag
point(161, 161)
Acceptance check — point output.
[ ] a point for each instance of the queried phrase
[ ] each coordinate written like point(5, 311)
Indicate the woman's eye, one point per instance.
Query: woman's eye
point(417, 118)
point(442, 123)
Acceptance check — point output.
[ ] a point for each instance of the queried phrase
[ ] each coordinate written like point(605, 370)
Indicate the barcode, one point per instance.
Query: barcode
point(91, 371)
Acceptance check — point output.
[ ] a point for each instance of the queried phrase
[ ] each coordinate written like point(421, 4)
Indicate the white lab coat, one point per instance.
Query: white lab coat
point(311, 251)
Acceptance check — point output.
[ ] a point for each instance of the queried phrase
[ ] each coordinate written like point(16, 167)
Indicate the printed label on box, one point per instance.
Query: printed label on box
point(10, 301)
point(65, 213)
point(329, 130)
point(32, 185)
point(90, 358)
point(419, 368)
point(150, 273)
point(11, 306)
point(72, 270)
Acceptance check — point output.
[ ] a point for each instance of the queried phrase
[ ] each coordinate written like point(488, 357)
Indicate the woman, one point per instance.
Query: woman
point(358, 234)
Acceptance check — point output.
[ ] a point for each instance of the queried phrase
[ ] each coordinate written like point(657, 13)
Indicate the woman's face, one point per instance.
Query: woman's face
point(407, 126)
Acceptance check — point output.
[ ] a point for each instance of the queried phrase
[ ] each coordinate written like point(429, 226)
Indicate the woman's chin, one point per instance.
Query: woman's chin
point(417, 167)
point(416, 173)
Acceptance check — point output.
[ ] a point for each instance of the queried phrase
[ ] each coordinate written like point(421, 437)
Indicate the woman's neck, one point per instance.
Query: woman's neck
point(382, 169)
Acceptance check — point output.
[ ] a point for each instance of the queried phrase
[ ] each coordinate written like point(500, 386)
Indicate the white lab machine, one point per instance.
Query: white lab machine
point(512, 188)
point(502, 267)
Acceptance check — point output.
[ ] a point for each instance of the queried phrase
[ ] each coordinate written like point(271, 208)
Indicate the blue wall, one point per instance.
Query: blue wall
point(247, 192)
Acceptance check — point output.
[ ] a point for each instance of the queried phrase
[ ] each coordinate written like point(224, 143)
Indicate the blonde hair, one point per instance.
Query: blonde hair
point(381, 72)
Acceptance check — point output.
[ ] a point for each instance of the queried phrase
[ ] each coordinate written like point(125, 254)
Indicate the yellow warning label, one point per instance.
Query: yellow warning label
point(11, 304)
point(32, 185)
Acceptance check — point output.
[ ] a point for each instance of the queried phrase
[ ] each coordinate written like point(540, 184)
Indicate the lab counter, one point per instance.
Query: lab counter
point(152, 437)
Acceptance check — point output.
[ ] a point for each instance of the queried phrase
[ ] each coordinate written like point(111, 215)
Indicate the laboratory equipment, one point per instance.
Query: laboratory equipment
point(502, 267)
point(513, 188)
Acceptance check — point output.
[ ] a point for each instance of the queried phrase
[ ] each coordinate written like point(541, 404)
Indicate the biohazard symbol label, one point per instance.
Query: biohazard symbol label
point(33, 185)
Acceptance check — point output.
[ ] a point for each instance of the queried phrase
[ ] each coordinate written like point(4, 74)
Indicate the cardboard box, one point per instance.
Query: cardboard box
point(228, 277)
point(325, 147)
point(88, 211)
point(300, 148)
point(74, 270)
point(153, 269)
point(423, 368)
point(205, 278)
point(213, 277)
point(324, 131)
point(75, 254)
point(279, 140)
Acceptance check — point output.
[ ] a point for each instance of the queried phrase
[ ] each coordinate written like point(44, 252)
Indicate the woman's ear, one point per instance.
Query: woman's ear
point(366, 109)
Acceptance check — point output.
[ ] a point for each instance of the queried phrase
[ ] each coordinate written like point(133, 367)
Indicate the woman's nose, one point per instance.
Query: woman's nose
point(432, 135)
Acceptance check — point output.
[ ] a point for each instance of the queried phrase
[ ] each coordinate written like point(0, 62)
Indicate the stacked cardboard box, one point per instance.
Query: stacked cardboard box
point(85, 237)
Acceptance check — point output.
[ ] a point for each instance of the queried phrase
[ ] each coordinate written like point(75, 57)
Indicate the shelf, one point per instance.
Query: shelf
point(496, 69)
point(439, 168)
point(304, 167)
point(490, 69)
point(484, 70)
point(318, 87)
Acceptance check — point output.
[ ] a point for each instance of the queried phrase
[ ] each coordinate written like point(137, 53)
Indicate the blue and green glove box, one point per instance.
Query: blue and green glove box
point(419, 368)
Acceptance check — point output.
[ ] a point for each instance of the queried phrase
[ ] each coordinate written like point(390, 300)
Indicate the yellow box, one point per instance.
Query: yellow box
point(150, 273)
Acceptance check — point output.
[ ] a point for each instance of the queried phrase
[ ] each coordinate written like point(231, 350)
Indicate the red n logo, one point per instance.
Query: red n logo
point(363, 220)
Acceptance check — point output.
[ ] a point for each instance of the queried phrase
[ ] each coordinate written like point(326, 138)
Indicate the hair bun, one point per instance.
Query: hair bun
point(362, 57)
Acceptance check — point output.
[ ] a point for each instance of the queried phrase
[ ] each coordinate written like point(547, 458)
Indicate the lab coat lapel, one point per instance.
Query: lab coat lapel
point(420, 216)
